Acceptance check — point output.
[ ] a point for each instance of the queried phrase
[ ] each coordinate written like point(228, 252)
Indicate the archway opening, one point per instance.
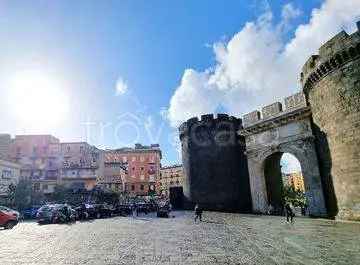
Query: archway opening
point(284, 183)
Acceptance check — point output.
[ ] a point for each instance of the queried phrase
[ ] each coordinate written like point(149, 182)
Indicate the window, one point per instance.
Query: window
point(18, 150)
point(133, 168)
point(68, 148)
point(142, 168)
point(124, 159)
point(142, 158)
point(142, 177)
point(45, 187)
point(134, 158)
point(36, 186)
point(177, 182)
point(160, 184)
point(132, 187)
point(141, 187)
point(171, 182)
point(6, 174)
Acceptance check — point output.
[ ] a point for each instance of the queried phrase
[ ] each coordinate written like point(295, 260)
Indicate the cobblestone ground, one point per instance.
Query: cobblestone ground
point(220, 239)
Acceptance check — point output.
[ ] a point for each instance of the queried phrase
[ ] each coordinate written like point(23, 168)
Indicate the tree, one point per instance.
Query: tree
point(22, 195)
point(60, 194)
point(11, 194)
point(296, 197)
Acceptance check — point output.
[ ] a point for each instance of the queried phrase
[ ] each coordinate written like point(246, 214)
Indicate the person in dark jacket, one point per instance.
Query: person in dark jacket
point(198, 213)
point(289, 212)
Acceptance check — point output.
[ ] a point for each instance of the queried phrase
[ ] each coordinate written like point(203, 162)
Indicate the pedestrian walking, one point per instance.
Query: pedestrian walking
point(134, 210)
point(198, 213)
point(289, 212)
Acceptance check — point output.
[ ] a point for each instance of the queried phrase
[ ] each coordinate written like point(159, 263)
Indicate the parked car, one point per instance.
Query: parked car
point(122, 209)
point(143, 207)
point(103, 210)
point(30, 213)
point(85, 211)
point(8, 217)
point(56, 213)
point(46, 213)
point(64, 213)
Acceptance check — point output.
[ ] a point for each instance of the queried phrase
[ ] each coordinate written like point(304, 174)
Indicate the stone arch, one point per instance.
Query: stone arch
point(304, 151)
point(273, 183)
point(287, 132)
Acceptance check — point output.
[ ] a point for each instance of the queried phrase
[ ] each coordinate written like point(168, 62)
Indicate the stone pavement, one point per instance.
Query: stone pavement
point(220, 239)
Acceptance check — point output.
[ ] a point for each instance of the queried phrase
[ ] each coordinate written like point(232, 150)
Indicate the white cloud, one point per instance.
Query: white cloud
point(194, 96)
point(256, 66)
point(289, 12)
point(121, 86)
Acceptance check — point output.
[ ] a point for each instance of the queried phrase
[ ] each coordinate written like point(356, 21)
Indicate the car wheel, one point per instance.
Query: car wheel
point(10, 225)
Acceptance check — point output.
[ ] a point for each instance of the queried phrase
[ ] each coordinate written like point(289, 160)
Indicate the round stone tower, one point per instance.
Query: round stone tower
point(215, 165)
point(331, 83)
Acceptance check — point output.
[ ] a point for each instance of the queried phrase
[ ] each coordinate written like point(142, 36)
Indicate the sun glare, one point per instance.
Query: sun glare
point(38, 98)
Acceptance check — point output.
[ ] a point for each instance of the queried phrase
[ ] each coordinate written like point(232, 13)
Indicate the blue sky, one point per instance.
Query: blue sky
point(85, 47)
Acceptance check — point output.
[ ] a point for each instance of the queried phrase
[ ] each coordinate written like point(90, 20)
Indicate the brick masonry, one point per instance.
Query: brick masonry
point(331, 82)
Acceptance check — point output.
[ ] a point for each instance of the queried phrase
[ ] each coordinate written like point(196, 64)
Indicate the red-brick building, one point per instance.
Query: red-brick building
point(143, 164)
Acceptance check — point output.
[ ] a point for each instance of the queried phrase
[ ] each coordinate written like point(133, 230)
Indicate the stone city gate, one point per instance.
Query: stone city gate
point(281, 131)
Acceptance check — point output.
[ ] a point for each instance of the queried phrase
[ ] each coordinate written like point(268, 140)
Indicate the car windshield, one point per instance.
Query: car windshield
point(46, 208)
point(3, 208)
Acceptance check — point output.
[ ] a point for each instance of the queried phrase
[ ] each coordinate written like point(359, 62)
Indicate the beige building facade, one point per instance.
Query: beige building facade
point(9, 174)
point(47, 162)
point(81, 165)
point(170, 176)
point(114, 177)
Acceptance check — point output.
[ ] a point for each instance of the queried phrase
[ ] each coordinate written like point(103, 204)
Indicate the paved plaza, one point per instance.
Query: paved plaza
point(220, 239)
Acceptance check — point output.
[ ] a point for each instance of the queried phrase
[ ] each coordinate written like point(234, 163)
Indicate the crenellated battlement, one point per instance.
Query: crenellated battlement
point(335, 53)
point(208, 118)
point(293, 102)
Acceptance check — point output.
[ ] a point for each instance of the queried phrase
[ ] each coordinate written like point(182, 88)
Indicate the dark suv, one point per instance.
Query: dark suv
point(55, 213)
